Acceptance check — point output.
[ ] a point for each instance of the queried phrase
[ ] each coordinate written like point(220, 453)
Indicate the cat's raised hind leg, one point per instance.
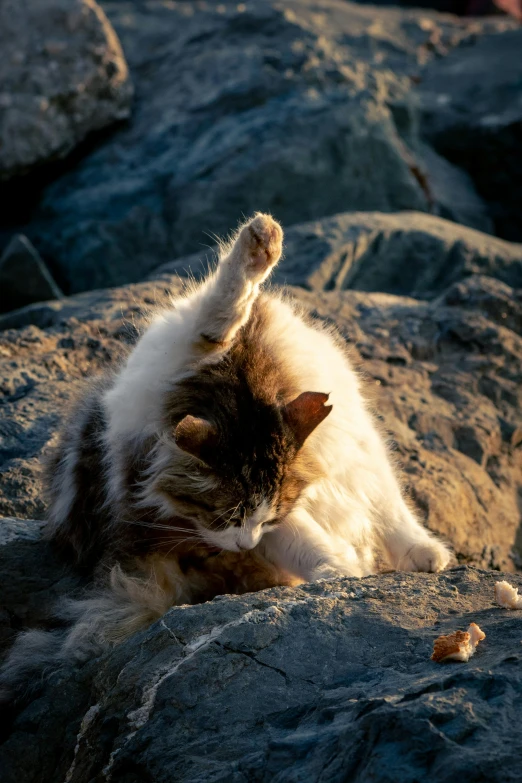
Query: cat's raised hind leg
point(228, 296)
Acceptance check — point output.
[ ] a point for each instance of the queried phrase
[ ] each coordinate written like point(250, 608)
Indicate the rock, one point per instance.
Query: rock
point(32, 577)
point(462, 7)
point(62, 76)
point(405, 253)
point(24, 278)
point(472, 112)
point(241, 107)
point(331, 681)
point(453, 194)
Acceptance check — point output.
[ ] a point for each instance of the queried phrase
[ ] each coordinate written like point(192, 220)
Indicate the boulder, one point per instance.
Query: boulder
point(24, 277)
point(62, 76)
point(330, 681)
point(407, 253)
point(471, 103)
point(241, 107)
point(32, 577)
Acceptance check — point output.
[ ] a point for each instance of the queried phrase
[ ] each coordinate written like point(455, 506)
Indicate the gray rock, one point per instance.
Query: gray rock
point(32, 577)
point(62, 76)
point(407, 253)
point(326, 682)
point(24, 277)
point(452, 192)
point(472, 112)
point(264, 106)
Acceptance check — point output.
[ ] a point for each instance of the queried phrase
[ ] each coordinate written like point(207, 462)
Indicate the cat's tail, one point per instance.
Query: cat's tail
point(92, 624)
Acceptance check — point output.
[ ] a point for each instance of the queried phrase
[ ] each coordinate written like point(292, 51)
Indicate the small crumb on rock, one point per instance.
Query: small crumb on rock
point(458, 646)
point(507, 596)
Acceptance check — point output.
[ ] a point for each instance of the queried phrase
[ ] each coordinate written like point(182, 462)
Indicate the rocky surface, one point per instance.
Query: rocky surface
point(62, 76)
point(407, 253)
point(325, 682)
point(32, 577)
point(472, 112)
point(24, 278)
point(301, 107)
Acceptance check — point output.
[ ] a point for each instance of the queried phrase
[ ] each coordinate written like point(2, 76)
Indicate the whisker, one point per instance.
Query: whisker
point(231, 509)
point(159, 526)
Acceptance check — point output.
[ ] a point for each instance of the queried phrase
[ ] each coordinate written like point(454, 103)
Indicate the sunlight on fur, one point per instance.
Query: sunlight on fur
point(233, 450)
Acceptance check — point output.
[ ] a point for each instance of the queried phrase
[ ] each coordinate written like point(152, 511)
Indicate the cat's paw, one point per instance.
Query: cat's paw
point(325, 572)
point(431, 556)
point(258, 246)
point(334, 572)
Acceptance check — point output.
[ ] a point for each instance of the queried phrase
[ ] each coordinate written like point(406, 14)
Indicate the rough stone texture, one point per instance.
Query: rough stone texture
point(62, 76)
point(405, 253)
point(472, 112)
point(298, 107)
point(326, 682)
point(32, 577)
point(24, 278)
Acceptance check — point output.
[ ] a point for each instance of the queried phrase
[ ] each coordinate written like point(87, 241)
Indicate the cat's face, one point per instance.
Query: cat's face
point(234, 477)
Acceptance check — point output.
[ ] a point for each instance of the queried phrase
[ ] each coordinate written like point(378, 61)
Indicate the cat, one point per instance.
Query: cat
point(233, 450)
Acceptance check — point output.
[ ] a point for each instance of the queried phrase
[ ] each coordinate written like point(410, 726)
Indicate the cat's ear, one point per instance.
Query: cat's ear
point(195, 436)
point(305, 413)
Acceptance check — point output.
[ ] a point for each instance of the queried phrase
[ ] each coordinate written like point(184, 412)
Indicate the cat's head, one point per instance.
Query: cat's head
point(233, 470)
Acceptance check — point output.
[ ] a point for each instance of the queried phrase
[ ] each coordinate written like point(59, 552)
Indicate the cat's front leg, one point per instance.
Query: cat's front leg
point(302, 547)
point(228, 296)
point(409, 546)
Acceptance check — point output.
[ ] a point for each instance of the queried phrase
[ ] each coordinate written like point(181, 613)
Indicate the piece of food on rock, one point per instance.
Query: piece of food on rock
point(458, 646)
point(507, 596)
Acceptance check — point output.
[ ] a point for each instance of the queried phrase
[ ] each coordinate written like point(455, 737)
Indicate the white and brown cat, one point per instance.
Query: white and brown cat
point(233, 450)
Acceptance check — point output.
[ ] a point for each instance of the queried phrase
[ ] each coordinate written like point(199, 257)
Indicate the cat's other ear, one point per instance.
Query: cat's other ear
point(195, 436)
point(305, 413)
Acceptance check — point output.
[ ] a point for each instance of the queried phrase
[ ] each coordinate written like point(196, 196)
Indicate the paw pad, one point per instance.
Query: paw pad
point(261, 243)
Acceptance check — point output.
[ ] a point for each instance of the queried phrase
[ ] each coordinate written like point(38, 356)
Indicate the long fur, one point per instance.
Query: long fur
point(197, 442)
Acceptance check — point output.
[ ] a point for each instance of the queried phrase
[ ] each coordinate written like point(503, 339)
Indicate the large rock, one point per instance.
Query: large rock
point(404, 253)
point(325, 682)
point(270, 105)
point(24, 278)
point(472, 112)
point(62, 76)
point(32, 577)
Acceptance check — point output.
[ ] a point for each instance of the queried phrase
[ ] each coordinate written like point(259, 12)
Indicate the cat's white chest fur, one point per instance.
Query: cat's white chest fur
point(355, 507)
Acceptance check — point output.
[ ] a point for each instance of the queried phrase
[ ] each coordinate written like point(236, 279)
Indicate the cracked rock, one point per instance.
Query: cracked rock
point(289, 685)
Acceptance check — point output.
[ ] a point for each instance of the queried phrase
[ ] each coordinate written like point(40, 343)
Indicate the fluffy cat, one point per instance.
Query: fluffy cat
point(233, 450)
